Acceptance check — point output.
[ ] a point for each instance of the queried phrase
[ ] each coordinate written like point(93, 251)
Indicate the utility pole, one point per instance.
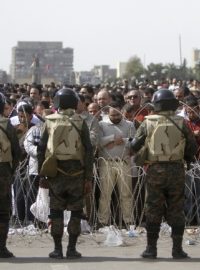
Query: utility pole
point(144, 61)
point(180, 51)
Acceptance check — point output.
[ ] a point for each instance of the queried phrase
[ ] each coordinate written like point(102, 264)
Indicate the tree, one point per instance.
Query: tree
point(155, 70)
point(134, 68)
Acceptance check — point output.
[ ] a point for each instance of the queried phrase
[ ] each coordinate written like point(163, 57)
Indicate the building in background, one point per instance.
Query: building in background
point(104, 73)
point(86, 77)
point(195, 57)
point(56, 62)
point(121, 69)
point(97, 75)
point(3, 77)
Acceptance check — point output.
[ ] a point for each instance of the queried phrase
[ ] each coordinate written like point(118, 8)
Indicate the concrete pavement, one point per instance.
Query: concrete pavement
point(32, 253)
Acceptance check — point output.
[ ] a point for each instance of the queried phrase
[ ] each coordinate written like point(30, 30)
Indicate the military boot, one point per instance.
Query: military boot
point(152, 237)
point(177, 238)
point(57, 253)
point(57, 227)
point(177, 250)
point(151, 249)
point(72, 253)
point(4, 252)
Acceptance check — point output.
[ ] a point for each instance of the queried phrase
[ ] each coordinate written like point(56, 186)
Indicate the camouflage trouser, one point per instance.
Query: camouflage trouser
point(57, 224)
point(66, 192)
point(165, 193)
point(5, 198)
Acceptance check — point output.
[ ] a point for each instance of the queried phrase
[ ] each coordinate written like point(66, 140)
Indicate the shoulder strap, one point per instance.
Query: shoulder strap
point(5, 132)
point(78, 130)
point(171, 120)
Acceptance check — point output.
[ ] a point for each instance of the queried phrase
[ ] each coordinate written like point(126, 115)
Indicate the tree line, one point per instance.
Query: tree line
point(135, 69)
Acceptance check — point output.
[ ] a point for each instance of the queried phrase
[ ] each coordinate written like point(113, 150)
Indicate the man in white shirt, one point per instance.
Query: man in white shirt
point(115, 164)
point(15, 119)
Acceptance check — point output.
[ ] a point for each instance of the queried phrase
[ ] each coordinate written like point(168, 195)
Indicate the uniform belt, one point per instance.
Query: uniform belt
point(70, 174)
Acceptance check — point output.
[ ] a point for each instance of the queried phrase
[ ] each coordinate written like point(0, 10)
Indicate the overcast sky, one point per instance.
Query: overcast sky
point(104, 31)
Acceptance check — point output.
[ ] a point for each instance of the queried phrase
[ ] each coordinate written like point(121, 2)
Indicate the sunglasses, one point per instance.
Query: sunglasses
point(134, 96)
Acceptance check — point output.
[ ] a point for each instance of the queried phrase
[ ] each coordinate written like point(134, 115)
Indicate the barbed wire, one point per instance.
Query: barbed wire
point(37, 228)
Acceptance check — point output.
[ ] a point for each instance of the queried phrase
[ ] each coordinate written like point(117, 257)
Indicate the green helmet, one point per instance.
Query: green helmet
point(164, 100)
point(65, 98)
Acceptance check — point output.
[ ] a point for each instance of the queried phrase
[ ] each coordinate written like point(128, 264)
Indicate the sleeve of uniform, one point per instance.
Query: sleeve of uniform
point(130, 134)
point(140, 136)
point(15, 148)
point(191, 146)
point(41, 149)
point(88, 159)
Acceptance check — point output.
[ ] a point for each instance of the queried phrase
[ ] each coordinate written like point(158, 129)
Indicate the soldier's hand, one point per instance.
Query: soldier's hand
point(87, 187)
point(43, 183)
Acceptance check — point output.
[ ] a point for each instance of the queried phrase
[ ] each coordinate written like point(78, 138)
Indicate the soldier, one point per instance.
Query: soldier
point(66, 137)
point(9, 157)
point(169, 142)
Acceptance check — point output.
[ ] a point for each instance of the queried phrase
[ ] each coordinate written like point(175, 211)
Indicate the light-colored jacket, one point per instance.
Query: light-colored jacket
point(30, 144)
point(108, 131)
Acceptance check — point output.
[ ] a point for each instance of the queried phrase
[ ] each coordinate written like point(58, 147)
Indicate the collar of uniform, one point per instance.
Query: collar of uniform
point(84, 115)
point(68, 112)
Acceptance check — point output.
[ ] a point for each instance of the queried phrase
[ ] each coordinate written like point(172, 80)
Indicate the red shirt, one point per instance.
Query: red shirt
point(140, 114)
point(195, 125)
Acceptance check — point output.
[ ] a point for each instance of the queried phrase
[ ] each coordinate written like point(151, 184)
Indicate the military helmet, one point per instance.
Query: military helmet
point(65, 98)
point(164, 100)
point(2, 102)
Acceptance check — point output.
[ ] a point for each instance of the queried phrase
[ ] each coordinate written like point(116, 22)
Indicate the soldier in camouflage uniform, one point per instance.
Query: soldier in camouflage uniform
point(74, 156)
point(168, 142)
point(9, 157)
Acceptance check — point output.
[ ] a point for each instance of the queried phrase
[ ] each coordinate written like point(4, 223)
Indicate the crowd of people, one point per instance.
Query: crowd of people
point(106, 127)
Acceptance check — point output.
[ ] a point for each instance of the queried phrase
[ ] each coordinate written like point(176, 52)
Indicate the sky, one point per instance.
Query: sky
point(104, 31)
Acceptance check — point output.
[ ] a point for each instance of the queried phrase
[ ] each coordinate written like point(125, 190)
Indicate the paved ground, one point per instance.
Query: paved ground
point(32, 253)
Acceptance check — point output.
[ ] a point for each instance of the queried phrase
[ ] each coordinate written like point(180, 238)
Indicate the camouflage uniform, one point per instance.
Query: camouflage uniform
point(67, 188)
point(165, 193)
point(6, 171)
point(165, 183)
